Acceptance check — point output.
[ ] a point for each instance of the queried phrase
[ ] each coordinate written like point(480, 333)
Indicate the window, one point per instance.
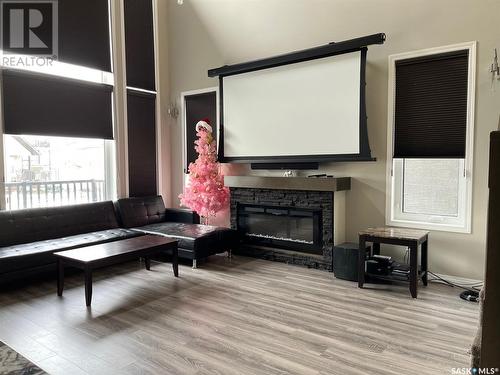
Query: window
point(429, 193)
point(197, 105)
point(58, 146)
point(142, 117)
point(45, 171)
point(57, 130)
point(429, 174)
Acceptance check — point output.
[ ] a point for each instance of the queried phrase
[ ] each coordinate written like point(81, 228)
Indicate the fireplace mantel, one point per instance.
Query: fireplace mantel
point(289, 183)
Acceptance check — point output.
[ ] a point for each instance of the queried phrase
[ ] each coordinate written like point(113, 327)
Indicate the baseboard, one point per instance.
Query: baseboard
point(457, 280)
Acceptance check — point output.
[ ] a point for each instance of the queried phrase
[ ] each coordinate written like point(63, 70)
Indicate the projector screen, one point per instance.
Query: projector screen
point(310, 108)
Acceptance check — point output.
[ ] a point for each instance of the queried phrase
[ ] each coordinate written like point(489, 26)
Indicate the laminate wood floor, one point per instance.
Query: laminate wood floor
point(236, 316)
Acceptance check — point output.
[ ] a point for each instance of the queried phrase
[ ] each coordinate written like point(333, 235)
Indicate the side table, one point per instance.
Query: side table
point(411, 238)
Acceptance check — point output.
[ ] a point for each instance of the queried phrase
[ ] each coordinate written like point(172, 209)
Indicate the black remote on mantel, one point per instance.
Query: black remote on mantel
point(320, 175)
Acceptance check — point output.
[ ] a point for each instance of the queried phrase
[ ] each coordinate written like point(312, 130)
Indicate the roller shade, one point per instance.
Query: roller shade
point(139, 44)
point(141, 143)
point(38, 104)
point(431, 106)
point(84, 33)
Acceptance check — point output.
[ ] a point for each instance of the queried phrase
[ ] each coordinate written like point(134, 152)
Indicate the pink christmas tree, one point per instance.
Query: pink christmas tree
point(205, 192)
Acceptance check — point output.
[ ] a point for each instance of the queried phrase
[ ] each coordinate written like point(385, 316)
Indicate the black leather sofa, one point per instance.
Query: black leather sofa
point(29, 237)
point(195, 241)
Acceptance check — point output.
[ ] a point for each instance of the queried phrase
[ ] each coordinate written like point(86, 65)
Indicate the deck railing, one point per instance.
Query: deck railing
point(19, 195)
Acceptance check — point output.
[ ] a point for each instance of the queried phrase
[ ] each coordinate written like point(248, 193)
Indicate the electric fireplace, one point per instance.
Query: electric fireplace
point(291, 228)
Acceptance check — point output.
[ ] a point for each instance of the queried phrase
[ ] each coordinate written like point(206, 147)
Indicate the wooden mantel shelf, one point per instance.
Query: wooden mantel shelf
point(289, 183)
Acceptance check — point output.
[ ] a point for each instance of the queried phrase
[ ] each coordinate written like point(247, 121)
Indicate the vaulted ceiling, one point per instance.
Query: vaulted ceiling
point(250, 29)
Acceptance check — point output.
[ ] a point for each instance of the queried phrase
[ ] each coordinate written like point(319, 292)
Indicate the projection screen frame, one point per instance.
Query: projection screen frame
point(332, 49)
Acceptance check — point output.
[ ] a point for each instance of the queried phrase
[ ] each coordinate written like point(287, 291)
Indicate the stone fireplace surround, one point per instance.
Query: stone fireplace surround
point(325, 194)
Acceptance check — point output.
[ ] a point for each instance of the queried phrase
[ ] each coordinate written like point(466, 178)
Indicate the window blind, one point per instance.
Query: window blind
point(431, 106)
point(139, 44)
point(36, 104)
point(84, 33)
point(141, 143)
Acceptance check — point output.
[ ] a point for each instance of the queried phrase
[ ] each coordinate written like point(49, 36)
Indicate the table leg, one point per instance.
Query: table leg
point(175, 261)
point(60, 277)
point(88, 286)
point(413, 269)
point(147, 262)
point(361, 261)
point(376, 248)
point(424, 261)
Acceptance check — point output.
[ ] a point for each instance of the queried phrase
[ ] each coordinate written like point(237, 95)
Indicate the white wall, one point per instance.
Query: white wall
point(206, 34)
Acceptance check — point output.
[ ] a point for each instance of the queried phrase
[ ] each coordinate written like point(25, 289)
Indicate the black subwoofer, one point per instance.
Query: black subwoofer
point(345, 261)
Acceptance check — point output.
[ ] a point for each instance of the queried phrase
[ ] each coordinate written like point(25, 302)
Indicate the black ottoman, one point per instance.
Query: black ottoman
point(195, 241)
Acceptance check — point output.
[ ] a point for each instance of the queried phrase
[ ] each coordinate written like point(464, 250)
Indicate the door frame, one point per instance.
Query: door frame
point(3, 203)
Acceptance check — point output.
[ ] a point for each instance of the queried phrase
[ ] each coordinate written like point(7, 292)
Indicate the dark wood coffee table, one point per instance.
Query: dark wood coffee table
point(92, 257)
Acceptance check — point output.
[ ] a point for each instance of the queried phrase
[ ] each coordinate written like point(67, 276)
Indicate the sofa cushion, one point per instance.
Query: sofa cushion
point(25, 226)
point(189, 236)
point(38, 253)
point(137, 212)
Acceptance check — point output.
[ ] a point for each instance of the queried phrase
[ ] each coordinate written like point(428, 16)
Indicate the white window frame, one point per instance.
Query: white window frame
point(2, 164)
point(160, 143)
point(394, 214)
point(185, 173)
